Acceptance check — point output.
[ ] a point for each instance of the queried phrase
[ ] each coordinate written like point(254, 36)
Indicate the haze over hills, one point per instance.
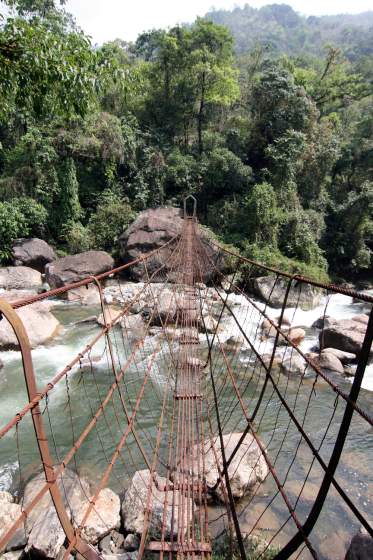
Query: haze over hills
point(281, 29)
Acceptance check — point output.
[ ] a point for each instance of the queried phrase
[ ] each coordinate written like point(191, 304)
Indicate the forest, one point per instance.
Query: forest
point(265, 116)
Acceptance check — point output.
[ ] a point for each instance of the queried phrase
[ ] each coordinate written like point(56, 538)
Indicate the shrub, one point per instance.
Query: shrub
point(113, 215)
point(77, 237)
point(20, 218)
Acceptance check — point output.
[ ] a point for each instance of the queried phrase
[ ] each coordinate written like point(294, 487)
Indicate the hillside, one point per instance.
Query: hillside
point(277, 149)
point(283, 30)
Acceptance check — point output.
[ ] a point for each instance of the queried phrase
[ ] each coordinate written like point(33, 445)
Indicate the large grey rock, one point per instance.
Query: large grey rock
point(344, 357)
point(114, 543)
point(272, 290)
point(112, 313)
point(165, 309)
point(361, 547)
point(296, 335)
point(329, 361)
point(152, 229)
point(233, 343)
point(136, 502)
point(322, 322)
point(294, 365)
point(361, 318)
point(9, 513)
point(20, 278)
point(346, 335)
point(247, 468)
point(40, 324)
point(133, 327)
point(105, 516)
point(77, 267)
point(32, 252)
point(45, 534)
point(85, 295)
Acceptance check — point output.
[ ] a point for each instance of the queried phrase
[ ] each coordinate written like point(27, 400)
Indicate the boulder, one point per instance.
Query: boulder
point(165, 309)
point(233, 343)
point(20, 278)
point(131, 542)
point(361, 547)
point(294, 365)
point(296, 335)
point(45, 534)
point(40, 324)
point(268, 330)
point(33, 252)
point(247, 468)
point(322, 322)
point(276, 362)
point(361, 318)
point(329, 361)
point(9, 513)
point(285, 320)
point(111, 314)
point(77, 267)
point(113, 543)
point(105, 516)
point(346, 335)
point(152, 229)
point(344, 357)
point(133, 326)
point(350, 370)
point(85, 295)
point(272, 290)
point(136, 501)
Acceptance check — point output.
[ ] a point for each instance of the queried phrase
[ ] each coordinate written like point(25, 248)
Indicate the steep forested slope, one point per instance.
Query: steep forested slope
point(276, 145)
point(282, 30)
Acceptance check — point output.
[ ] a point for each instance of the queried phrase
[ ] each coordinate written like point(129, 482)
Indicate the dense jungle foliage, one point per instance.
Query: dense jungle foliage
point(273, 133)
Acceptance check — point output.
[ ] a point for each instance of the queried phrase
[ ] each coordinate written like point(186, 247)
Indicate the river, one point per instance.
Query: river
point(78, 397)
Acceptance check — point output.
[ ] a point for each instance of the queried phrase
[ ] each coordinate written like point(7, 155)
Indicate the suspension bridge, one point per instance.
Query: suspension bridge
point(179, 409)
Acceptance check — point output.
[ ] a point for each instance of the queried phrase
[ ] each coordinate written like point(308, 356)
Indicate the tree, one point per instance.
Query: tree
point(19, 218)
point(191, 74)
point(112, 217)
point(278, 106)
point(69, 209)
point(348, 239)
point(332, 83)
point(212, 70)
point(222, 173)
point(48, 70)
point(262, 216)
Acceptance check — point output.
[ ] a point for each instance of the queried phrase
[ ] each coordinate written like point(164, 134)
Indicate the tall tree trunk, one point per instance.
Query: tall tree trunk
point(201, 115)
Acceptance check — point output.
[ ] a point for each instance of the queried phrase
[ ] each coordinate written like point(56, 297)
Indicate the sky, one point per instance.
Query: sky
point(106, 20)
